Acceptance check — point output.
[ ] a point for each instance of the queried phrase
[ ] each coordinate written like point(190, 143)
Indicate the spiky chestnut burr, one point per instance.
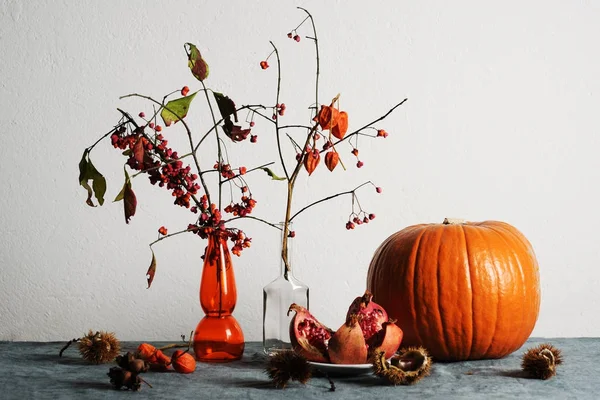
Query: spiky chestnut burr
point(96, 347)
point(540, 362)
point(287, 365)
point(408, 367)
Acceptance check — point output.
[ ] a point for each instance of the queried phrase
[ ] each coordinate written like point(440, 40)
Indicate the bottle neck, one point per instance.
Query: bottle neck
point(286, 272)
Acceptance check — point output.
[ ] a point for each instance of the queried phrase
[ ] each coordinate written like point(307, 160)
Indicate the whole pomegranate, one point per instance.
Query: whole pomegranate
point(309, 337)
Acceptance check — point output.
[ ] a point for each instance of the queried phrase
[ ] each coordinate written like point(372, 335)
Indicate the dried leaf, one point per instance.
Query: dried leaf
point(151, 270)
point(272, 174)
point(226, 106)
point(311, 160)
point(235, 132)
point(197, 65)
point(87, 172)
point(139, 150)
point(129, 199)
point(176, 109)
point(341, 127)
point(331, 160)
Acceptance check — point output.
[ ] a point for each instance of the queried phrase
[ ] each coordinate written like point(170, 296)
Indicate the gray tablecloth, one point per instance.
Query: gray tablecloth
point(34, 371)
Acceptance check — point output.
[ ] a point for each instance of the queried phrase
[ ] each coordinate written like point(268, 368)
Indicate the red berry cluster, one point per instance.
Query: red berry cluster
point(240, 241)
point(225, 170)
point(210, 221)
point(359, 219)
point(294, 35)
point(172, 174)
point(243, 208)
point(279, 109)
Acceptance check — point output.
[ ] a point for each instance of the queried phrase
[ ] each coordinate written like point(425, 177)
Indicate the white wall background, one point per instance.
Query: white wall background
point(501, 123)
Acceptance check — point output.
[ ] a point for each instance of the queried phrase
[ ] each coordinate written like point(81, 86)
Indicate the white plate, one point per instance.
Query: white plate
point(343, 369)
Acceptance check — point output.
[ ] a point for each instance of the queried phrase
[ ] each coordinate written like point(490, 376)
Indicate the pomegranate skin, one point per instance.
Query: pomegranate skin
point(309, 337)
point(347, 345)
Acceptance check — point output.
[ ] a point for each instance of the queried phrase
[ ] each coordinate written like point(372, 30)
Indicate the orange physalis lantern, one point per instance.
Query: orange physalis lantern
point(341, 127)
point(328, 116)
point(331, 160)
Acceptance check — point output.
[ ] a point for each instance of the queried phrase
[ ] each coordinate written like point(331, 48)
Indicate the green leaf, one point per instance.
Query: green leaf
point(87, 172)
point(272, 174)
point(176, 109)
point(226, 106)
point(151, 270)
point(197, 65)
point(83, 166)
point(121, 194)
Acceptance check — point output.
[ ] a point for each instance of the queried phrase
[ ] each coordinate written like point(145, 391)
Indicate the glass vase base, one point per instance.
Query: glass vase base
point(218, 339)
point(272, 347)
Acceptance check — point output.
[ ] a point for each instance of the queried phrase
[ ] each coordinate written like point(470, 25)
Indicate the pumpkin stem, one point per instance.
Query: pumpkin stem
point(453, 221)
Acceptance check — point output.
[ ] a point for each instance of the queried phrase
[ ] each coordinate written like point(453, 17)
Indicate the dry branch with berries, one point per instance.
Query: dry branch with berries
point(143, 141)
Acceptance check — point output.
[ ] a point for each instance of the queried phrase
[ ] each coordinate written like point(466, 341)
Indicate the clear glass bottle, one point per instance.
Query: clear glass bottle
point(277, 298)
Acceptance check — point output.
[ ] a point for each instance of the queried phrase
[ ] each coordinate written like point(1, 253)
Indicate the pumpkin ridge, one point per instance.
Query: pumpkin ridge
point(493, 342)
point(506, 234)
point(415, 251)
point(514, 261)
point(473, 331)
point(438, 280)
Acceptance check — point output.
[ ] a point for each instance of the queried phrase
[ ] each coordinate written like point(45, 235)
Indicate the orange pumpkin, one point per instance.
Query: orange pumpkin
point(464, 291)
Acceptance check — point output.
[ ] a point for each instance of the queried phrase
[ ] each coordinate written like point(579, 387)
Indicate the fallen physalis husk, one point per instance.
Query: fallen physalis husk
point(96, 347)
point(540, 362)
point(287, 365)
point(405, 368)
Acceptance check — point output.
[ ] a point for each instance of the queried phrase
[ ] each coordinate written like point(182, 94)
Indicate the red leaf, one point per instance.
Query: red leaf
point(151, 270)
point(139, 151)
point(235, 132)
point(129, 202)
point(197, 65)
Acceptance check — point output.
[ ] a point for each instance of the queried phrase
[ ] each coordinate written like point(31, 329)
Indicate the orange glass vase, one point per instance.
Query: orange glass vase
point(218, 336)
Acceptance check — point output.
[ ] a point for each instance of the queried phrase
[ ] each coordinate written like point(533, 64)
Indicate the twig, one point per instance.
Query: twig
point(329, 198)
point(67, 345)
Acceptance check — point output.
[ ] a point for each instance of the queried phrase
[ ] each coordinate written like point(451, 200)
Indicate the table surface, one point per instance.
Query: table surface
point(32, 370)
